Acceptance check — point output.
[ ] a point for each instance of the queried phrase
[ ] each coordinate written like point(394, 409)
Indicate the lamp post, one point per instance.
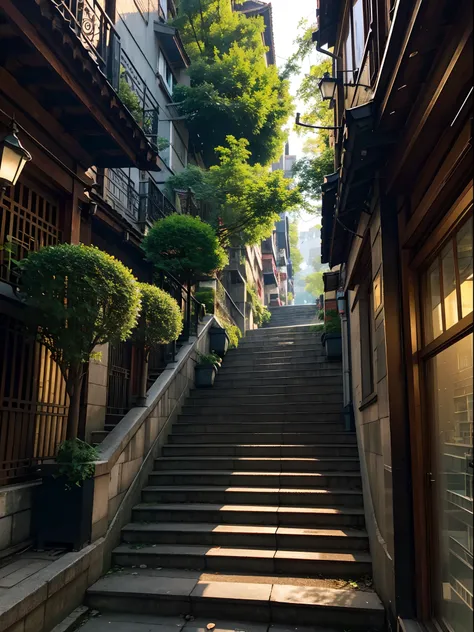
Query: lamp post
point(13, 158)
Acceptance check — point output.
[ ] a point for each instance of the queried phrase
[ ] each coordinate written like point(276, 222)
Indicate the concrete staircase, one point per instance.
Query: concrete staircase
point(291, 315)
point(254, 511)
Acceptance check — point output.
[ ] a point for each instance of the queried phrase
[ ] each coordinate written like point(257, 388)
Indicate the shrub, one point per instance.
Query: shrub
point(234, 334)
point(184, 246)
point(206, 296)
point(261, 314)
point(160, 320)
point(81, 297)
point(332, 323)
point(209, 359)
point(76, 461)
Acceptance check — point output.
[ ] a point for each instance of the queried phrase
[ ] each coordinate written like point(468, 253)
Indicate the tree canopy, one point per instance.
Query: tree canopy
point(314, 284)
point(295, 253)
point(160, 320)
point(80, 297)
point(244, 200)
point(232, 91)
point(184, 246)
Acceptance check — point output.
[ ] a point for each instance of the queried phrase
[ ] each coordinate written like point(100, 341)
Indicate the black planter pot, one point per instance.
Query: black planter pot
point(219, 341)
point(333, 346)
point(205, 376)
point(63, 517)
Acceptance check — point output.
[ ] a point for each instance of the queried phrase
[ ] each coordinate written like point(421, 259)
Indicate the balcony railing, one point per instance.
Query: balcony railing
point(96, 31)
point(154, 205)
point(121, 194)
point(138, 98)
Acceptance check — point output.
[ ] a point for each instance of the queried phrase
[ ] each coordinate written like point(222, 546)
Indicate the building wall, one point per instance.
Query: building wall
point(16, 503)
point(372, 415)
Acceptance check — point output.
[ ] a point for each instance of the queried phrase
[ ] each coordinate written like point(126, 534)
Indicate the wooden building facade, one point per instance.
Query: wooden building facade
point(397, 218)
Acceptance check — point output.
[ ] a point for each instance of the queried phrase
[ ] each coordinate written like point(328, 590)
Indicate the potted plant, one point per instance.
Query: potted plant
point(219, 340)
point(64, 500)
point(332, 338)
point(206, 369)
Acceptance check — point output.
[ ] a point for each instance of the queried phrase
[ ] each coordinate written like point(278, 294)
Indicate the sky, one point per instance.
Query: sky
point(286, 16)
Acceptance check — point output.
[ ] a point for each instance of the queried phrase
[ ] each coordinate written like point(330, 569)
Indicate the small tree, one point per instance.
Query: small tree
point(160, 322)
point(80, 297)
point(186, 247)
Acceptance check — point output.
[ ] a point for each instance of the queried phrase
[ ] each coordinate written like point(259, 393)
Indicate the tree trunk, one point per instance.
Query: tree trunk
point(141, 399)
point(74, 387)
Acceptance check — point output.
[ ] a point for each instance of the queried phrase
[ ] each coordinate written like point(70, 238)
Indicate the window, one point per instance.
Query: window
point(447, 285)
point(166, 73)
point(358, 31)
point(366, 318)
point(348, 57)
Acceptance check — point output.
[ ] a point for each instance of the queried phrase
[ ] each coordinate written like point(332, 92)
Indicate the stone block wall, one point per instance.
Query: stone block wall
point(15, 517)
point(97, 391)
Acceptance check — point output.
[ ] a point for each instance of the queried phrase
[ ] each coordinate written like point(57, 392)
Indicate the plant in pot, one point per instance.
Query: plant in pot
point(206, 369)
point(186, 247)
point(79, 297)
point(160, 323)
point(332, 338)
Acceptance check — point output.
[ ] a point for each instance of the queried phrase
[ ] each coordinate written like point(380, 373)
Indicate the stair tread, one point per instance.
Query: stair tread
point(353, 511)
point(260, 445)
point(203, 527)
point(147, 584)
point(212, 550)
point(309, 475)
point(322, 459)
point(255, 490)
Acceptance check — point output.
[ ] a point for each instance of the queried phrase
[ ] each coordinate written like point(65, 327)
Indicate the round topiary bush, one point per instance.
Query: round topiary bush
point(160, 319)
point(184, 246)
point(80, 297)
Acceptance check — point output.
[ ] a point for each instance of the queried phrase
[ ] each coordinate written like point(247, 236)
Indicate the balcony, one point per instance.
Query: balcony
point(78, 77)
point(121, 194)
point(154, 205)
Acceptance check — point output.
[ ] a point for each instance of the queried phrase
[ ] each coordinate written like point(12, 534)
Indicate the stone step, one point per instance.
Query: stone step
point(256, 374)
point(223, 596)
point(297, 388)
point(330, 480)
point(264, 438)
point(224, 408)
point(244, 560)
point(277, 348)
point(210, 425)
point(215, 415)
point(281, 384)
point(283, 330)
point(230, 395)
point(230, 449)
point(246, 464)
point(336, 517)
point(287, 497)
point(290, 360)
point(268, 537)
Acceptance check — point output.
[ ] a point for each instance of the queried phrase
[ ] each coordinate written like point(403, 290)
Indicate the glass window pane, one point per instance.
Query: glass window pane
point(359, 34)
point(450, 394)
point(464, 248)
point(433, 322)
point(449, 286)
point(349, 62)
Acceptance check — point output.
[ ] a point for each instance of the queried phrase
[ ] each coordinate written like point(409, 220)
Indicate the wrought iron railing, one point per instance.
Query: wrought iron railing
point(142, 104)
point(121, 194)
point(154, 205)
point(97, 33)
point(227, 305)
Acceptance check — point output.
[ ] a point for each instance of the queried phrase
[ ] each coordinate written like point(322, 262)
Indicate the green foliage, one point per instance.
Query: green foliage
point(295, 253)
point(160, 320)
point(321, 314)
point(261, 314)
point(314, 284)
point(209, 359)
point(206, 296)
point(234, 334)
point(290, 297)
point(184, 246)
point(76, 461)
point(232, 90)
point(81, 297)
point(309, 172)
point(245, 201)
point(332, 322)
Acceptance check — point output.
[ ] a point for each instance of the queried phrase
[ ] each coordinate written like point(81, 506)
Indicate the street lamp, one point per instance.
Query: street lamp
point(13, 157)
point(327, 86)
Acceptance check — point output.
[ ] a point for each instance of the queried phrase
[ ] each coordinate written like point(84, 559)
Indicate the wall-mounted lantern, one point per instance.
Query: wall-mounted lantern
point(13, 158)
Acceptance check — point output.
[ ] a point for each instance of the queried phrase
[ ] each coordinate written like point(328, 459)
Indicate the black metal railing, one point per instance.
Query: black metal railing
point(191, 309)
point(97, 33)
point(227, 304)
point(142, 104)
point(121, 194)
point(154, 205)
